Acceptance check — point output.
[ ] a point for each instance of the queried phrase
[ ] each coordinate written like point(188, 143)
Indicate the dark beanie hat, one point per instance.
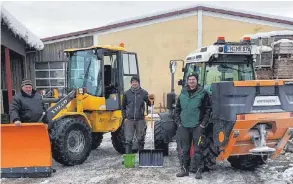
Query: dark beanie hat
point(194, 75)
point(135, 78)
point(26, 82)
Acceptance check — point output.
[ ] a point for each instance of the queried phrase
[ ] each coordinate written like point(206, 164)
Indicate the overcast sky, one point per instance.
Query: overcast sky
point(53, 18)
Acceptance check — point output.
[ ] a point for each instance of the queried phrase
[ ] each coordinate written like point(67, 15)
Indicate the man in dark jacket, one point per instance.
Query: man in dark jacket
point(27, 105)
point(192, 114)
point(133, 107)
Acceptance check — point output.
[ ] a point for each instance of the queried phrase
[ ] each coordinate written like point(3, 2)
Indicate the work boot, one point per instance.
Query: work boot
point(128, 149)
point(198, 174)
point(183, 172)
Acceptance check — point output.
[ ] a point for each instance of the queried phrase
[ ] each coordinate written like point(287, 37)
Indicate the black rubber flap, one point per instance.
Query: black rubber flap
point(26, 172)
point(151, 158)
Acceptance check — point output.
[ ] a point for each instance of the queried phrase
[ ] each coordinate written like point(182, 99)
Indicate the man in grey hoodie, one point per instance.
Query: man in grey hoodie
point(133, 107)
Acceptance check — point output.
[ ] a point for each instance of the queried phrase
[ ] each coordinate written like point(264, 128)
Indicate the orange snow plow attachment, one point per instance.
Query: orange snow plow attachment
point(25, 151)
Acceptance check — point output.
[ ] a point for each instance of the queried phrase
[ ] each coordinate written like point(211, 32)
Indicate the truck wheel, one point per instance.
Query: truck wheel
point(71, 143)
point(159, 138)
point(209, 153)
point(247, 162)
point(118, 140)
point(97, 138)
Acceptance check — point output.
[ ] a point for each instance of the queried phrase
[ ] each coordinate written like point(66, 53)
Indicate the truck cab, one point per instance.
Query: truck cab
point(222, 61)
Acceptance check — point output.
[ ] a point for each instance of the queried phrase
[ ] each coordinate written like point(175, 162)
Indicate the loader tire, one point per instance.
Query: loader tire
point(97, 138)
point(159, 138)
point(247, 162)
point(118, 140)
point(71, 142)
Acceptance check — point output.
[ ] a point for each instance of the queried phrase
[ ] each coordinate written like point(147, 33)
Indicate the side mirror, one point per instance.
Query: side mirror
point(100, 54)
point(180, 82)
point(172, 66)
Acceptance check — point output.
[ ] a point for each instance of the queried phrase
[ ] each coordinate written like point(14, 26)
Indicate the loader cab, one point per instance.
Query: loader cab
point(103, 72)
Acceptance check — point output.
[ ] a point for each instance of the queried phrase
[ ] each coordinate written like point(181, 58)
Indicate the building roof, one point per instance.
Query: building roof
point(20, 30)
point(203, 7)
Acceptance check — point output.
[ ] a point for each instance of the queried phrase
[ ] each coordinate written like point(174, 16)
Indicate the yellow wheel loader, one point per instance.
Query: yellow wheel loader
point(97, 76)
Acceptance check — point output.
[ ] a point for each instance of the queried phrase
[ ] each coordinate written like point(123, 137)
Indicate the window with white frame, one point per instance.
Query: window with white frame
point(50, 75)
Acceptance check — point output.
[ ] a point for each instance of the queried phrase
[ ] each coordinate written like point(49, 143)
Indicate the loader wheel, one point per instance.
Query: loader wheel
point(247, 162)
point(97, 138)
point(71, 143)
point(118, 140)
point(159, 138)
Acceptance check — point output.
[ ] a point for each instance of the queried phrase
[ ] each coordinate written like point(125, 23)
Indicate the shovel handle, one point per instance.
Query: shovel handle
point(43, 114)
point(152, 113)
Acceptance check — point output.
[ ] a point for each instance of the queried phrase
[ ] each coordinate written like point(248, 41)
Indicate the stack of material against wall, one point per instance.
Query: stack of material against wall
point(283, 68)
point(264, 74)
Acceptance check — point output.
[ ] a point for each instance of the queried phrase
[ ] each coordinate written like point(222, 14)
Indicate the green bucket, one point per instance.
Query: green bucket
point(129, 160)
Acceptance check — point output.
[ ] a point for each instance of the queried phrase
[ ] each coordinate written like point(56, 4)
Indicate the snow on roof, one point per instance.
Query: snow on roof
point(270, 34)
point(19, 29)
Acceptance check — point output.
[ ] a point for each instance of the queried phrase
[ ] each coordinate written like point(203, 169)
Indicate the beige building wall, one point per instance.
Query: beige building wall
point(232, 30)
point(155, 46)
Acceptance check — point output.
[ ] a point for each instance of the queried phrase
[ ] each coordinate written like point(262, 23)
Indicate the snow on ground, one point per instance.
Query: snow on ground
point(105, 166)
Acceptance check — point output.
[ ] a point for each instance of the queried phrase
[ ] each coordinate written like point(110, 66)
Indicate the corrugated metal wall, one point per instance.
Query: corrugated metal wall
point(54, 51)
point(30, 65)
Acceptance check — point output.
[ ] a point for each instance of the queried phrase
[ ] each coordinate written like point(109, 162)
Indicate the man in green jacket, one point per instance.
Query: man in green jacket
point(192, 114)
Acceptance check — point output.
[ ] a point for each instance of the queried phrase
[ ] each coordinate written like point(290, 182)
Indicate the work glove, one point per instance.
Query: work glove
point(202, 141)
point(151, 98)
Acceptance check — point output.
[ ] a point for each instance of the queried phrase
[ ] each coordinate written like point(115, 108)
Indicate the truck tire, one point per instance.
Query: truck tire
point(159, 138)
point(71, 142)
point(97, 138)
point(247, 162)
point(118, 140)
point(209, 153)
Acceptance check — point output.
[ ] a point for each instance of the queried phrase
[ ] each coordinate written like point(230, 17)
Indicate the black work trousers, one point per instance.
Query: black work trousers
point(186, 136)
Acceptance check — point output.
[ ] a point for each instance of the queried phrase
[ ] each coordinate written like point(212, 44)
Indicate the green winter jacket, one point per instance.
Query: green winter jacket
point(193, 108)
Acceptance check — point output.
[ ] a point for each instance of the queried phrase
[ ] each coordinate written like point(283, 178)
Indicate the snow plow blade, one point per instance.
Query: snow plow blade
point(25, 151)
